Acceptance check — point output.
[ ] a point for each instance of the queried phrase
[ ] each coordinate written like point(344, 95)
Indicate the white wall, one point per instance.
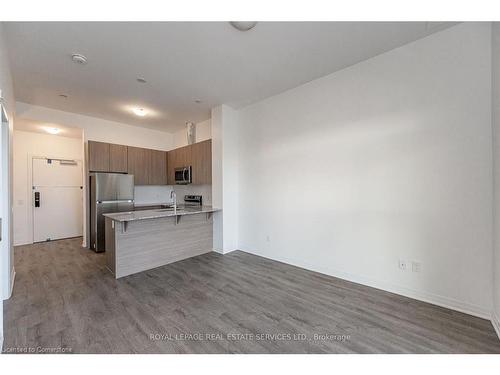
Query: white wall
point(390, 158)
point(496, 172)
point(97, 129)
point(27, 145)
point(225, 182)
point(6, 252)
point(203, 132)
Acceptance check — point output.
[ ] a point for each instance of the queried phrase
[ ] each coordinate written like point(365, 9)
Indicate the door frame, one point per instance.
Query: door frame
point(29, 191)
point(6, 245)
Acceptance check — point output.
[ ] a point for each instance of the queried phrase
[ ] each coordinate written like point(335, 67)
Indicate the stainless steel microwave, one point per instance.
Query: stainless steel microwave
point(183, 175)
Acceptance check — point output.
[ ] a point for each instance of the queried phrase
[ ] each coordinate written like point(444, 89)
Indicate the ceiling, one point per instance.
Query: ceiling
point(28, 125)
point(183, 62)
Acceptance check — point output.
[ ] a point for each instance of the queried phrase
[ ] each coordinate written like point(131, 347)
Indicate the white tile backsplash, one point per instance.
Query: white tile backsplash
point(144, 195)
point(149, 195)
point(203, 190)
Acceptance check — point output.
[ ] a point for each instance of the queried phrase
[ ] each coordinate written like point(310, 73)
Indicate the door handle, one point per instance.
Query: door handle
point(37, 199)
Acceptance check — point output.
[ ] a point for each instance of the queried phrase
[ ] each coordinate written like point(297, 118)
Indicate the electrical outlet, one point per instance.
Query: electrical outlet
point(416, 266)
point(402, 265)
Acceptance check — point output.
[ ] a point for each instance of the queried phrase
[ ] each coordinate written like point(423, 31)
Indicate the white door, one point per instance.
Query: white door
point(57, 199)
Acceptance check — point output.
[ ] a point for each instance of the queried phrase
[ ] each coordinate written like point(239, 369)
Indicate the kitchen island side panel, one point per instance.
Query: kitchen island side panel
point(145, 244)
point(109, 235)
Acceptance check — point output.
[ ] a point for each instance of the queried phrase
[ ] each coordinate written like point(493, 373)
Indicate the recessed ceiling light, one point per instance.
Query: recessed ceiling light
point(197, 101)
point(141, 80)
point(79, 59)
point(52, 130)
point(139, 112)
point(64, 96)
point(243, 25)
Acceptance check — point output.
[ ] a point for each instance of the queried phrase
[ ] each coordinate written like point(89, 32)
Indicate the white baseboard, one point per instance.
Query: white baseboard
point(24, 242)
point(423, 296)
point(224, 251)
point(495, 320)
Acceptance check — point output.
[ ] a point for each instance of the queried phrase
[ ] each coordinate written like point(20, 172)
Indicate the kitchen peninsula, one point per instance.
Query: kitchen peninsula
point(141, 240)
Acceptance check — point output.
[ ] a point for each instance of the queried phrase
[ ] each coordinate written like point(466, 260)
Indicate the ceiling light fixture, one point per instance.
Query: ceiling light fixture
point(64, 96)
point(197, 101)
point(243, 25)
point(52, 130)
point(141, 112)
point(79, 59)
point(141, 80)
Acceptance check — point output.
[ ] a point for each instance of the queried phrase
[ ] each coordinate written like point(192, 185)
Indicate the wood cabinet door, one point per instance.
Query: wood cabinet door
point(171, 165)
point(138, 164)
point(158, 168)
point(98, 156)
point(178, 158)
point(202, 162)
point(184, 158)
point(118, 158)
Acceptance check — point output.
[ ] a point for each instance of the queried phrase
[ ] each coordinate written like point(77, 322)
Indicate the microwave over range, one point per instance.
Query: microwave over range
point(183, 175)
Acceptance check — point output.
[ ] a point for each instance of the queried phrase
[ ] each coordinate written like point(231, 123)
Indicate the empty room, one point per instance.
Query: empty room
point(199, 186)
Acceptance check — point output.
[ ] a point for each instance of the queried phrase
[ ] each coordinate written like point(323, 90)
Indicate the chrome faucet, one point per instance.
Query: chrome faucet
point(173, 197)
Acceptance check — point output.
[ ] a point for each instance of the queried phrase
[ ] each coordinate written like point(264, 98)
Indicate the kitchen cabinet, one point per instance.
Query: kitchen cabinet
point(171, 161)
point(152, 167)
point(178, 158)
point(139, 164)
point(201, 155)
point(118, 158)
point(158, 168)
point(98, 153)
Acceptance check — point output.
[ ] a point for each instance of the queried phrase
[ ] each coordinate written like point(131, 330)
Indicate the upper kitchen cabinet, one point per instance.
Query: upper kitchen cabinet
point(106, 157)
point(158, 168)
point(118, 158)
point(183, 158)
point(139, 164)
point(171, 162)
point(149, 167)
point(98, 156)
point(202, 162)
point(178, 158)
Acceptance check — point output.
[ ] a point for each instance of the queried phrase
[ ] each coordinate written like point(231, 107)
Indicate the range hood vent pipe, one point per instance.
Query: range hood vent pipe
point(191, 132)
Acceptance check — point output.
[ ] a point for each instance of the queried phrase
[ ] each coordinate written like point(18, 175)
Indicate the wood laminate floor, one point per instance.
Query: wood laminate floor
point(237, 303)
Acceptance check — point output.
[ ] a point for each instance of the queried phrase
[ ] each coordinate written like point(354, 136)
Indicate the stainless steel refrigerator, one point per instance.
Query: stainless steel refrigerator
point(109, 192)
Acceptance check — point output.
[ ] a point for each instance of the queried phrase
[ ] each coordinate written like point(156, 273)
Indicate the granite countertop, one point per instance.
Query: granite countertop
point(158, 213)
